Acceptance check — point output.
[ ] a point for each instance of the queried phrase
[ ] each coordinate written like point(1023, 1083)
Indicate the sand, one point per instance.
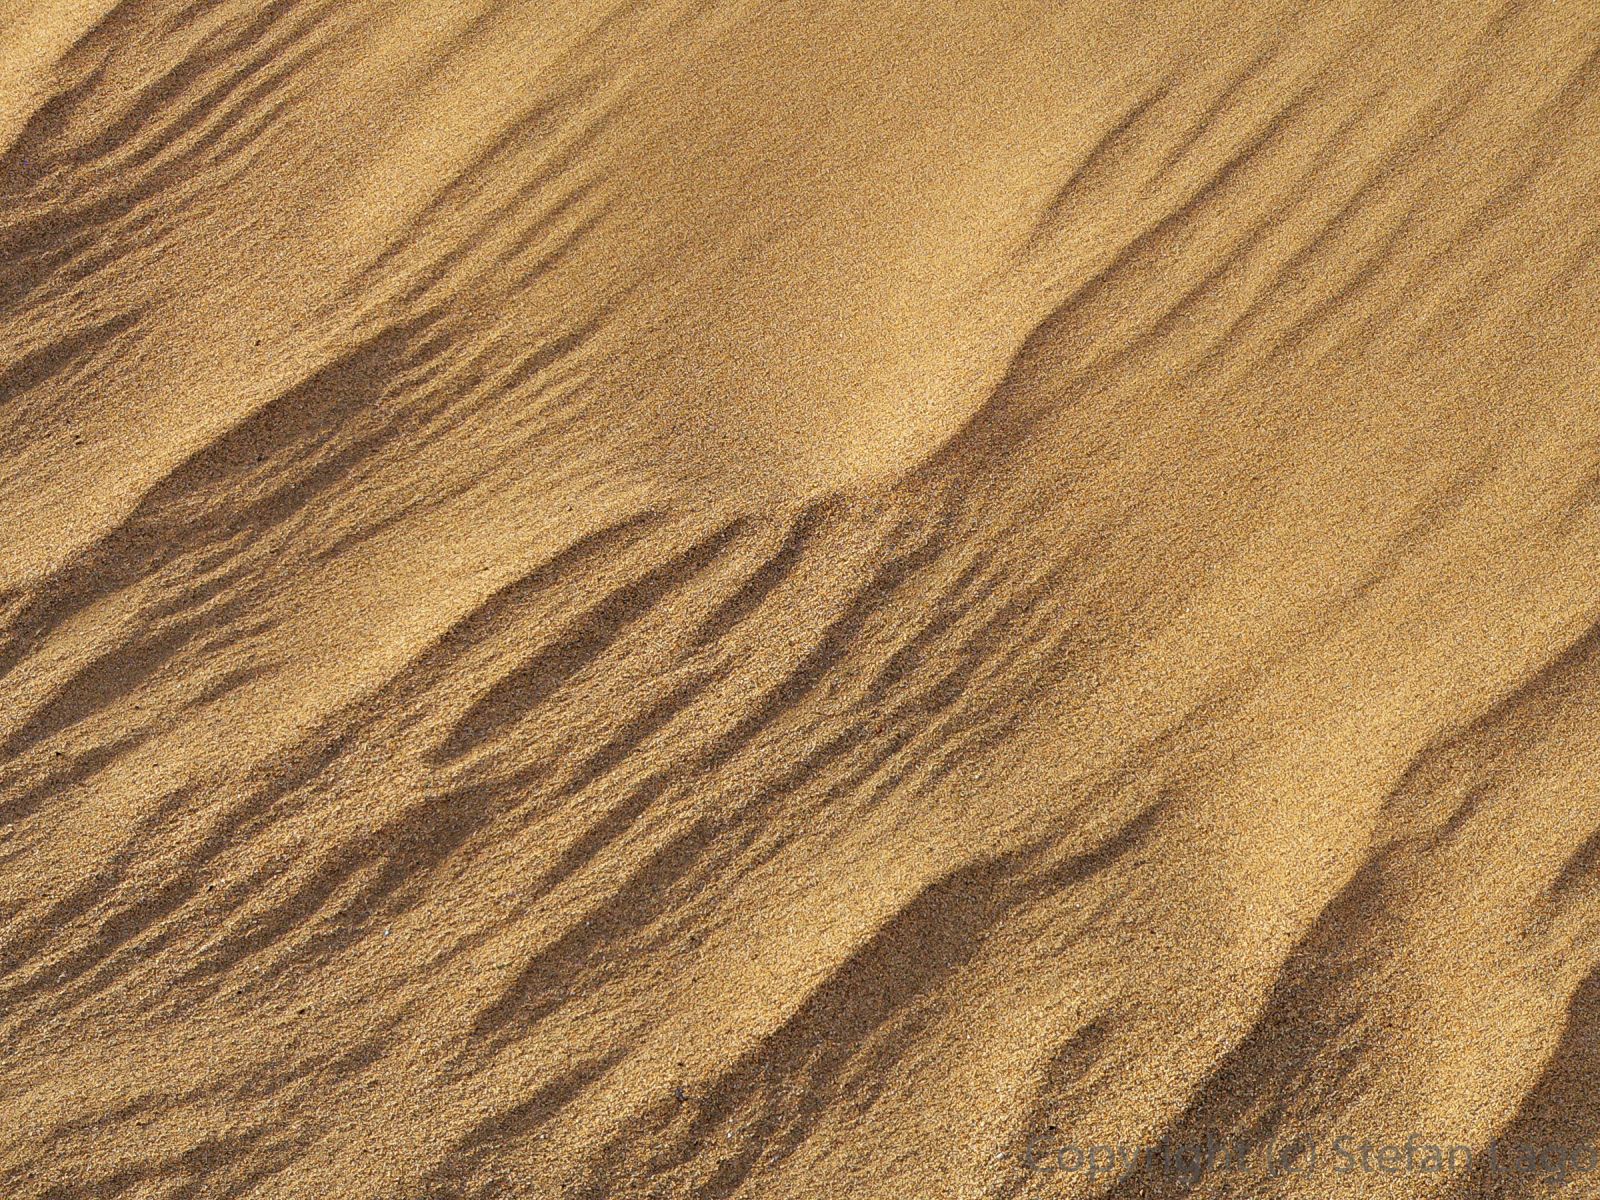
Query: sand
point(659, 599)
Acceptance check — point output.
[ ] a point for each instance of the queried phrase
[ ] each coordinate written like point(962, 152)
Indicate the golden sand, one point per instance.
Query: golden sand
point(844, 600)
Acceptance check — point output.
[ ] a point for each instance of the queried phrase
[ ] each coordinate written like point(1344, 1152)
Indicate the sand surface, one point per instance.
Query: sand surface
point(841, 599)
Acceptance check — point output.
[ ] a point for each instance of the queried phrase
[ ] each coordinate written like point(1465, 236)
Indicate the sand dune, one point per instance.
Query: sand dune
point(607, 599)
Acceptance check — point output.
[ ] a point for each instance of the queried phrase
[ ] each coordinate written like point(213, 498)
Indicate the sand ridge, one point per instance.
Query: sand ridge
point(721, 599)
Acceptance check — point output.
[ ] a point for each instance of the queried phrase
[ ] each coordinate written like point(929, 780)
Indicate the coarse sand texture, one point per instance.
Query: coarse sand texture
point(827, 600)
